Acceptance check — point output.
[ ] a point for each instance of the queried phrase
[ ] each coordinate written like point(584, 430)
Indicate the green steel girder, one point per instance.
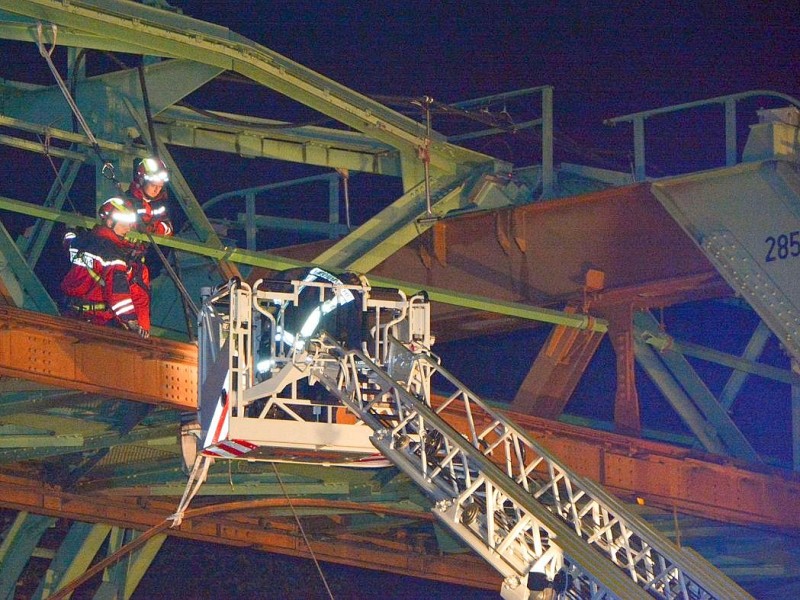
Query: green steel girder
point(279, 263)
point(132, 475)
point(188, 201)
point(71, 444)
point(171, 35)
point(267, 222)
point(365, 523)
point(14, 436)
point(265, 138)
point(24, 30)
point(500, 307)
point(755, 346)
point(254, 488)
point(395, 226)
point(99, 98)
point(19, 542)
point(732, 214)
point(167, 479)
point(121, 579)
point(73, 557)
point(12, 403)
point(32, 244)
point(35, 296)
point(745, 364)
point(164, 34)
point(648, 359)
point(714, 415)
point(46, 131)
point(30, 146)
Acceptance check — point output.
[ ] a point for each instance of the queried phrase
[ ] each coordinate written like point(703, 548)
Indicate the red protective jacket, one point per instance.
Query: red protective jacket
point(153, 215)
point(98, 287)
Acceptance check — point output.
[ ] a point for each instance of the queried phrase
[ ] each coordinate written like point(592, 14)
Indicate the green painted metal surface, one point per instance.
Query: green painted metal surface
point(391, 229)
point(100, 98)
point(35, 295)
point(173, 35)
point(265, 138)
point(74, 556)
point(648, 359)
point(717, 419)
point(19, 542)
point(267, 261)
point(746, 219)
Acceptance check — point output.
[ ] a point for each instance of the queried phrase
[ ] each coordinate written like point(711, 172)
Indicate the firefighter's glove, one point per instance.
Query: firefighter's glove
point(134, 326)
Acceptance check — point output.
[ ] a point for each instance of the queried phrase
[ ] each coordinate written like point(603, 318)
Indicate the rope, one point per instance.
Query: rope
point(303, 532)
point(345, 175)
point(196, 478)
point(147, 113)
point(175, 279)
point(48, 56)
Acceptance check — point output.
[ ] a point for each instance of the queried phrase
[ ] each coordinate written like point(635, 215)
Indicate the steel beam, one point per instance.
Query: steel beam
point(265, 138)
point(73, 557)
point(279, 263)
point(672, 391)
point(99, 97)
point(392, 228)
point(78, 356)
point(755, 346)
point(281, 537)
point(167, 34)
point(35, 296)
point(121, 579)
point(19, 542)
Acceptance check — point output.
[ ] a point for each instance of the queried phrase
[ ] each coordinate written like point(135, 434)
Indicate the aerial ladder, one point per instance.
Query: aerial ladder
point(279, 381)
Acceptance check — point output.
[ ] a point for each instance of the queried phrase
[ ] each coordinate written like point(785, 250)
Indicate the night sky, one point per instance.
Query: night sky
point(601, 62)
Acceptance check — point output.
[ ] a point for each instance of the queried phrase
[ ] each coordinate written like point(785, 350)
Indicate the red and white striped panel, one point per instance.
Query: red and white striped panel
point(373, 460)
point(229, 449)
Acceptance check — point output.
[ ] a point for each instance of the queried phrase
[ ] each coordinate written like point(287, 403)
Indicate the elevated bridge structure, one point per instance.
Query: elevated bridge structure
point(658, 317)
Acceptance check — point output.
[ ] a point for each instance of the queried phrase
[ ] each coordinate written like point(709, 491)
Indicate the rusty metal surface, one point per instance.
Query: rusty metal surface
point(540, 254)
point(79, 356)
point(668, 476)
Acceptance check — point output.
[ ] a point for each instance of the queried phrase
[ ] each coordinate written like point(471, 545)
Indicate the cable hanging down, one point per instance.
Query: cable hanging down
point(108, 167)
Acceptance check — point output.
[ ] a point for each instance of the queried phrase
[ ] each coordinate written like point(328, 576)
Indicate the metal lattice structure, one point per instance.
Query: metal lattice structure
point(508, 498)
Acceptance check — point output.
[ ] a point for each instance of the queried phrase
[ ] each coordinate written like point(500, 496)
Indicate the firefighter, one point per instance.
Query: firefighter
point(97, 287)
point(149, 193)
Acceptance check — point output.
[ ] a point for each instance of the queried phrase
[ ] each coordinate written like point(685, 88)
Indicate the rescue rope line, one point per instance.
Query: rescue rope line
point(175, 279)
point(196, 478)
point(147, 113)
point(187, 299)
point(303, 532)
point(345, 176)
point(48, 57)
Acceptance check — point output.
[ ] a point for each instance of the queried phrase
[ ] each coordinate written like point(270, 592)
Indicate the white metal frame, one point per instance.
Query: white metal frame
point(502, 493)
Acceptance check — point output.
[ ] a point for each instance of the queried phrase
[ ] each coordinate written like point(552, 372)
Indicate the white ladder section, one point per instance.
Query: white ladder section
point(513, 502)
point(546, 530)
